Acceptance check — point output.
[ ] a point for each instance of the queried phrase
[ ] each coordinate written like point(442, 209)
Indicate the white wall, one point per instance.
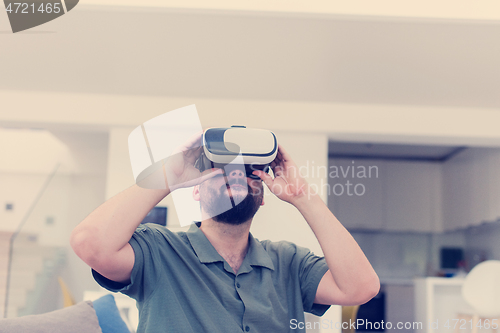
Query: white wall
point(87, 184)
point(28, 158)
point(76, 188)
point(351, 122)
point(119, 170)
point(86, 195)
point(20, 190)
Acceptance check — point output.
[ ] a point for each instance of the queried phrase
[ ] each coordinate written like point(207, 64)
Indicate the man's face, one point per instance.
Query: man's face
point(231, 198)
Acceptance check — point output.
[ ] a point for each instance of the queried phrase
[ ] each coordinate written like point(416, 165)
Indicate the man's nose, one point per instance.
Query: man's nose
point(237, 174)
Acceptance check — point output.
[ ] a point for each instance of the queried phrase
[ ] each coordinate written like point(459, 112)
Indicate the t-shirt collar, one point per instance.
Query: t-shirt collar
point(206, 253)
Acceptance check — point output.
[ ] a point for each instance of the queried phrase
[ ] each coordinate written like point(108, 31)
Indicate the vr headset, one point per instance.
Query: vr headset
point(230, 148)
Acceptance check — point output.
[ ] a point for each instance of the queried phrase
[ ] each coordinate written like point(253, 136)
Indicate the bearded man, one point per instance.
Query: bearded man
point(216, 277)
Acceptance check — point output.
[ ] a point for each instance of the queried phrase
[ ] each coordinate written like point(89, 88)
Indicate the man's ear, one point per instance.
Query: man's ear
point(262, 204)
point(196, 193)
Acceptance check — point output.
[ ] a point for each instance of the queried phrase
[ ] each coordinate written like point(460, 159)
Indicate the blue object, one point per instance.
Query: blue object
point(109, 316)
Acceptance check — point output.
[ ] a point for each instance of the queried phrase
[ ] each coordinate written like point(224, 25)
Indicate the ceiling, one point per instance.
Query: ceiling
point(257, 56)
point(444, 9)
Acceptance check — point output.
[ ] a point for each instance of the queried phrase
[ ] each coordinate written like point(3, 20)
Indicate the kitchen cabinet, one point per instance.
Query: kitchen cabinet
point(398, 195)
point(413, 196)
point(493, 184)
point(356, 193)
point(457, 182)
point(417, 196)
point(471, 188)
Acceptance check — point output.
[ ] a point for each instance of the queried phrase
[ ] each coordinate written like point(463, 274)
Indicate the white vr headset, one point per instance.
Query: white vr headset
point(237, 145)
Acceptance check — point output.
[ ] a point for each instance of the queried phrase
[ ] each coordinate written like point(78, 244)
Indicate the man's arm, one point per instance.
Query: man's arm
point(102, 238)
point(350, 279)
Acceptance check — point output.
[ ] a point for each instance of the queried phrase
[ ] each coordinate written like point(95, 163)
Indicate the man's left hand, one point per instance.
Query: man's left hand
point(287, 184)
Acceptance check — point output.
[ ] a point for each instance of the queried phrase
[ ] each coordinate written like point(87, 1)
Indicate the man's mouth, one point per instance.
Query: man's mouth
point(236, 186)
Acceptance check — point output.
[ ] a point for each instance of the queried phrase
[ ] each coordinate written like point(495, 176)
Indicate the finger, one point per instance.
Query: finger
point(192, 143)
point(277, 163)
point(193, 151)
point(192, 155)
point(177, 158)
point(284, 155)
point(278, 171)
point(266, 178)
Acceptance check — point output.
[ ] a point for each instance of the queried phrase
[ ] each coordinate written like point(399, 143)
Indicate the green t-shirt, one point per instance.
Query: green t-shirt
point(182, 285)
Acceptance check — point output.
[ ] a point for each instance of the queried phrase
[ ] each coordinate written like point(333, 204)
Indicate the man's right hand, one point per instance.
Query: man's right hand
point(178, 170)
point(179, 167)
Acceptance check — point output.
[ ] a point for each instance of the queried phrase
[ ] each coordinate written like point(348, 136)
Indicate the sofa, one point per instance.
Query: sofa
point(98, 316)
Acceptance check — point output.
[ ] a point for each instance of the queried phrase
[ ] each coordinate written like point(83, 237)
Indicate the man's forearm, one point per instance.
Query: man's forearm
point(109, 228)
point(351, 270)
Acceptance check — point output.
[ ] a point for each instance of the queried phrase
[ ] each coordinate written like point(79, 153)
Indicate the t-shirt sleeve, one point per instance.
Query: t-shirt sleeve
point(145, 273)
point(311, 271)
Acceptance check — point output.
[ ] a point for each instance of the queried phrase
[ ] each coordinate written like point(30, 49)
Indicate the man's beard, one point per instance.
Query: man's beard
point(241, 211)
